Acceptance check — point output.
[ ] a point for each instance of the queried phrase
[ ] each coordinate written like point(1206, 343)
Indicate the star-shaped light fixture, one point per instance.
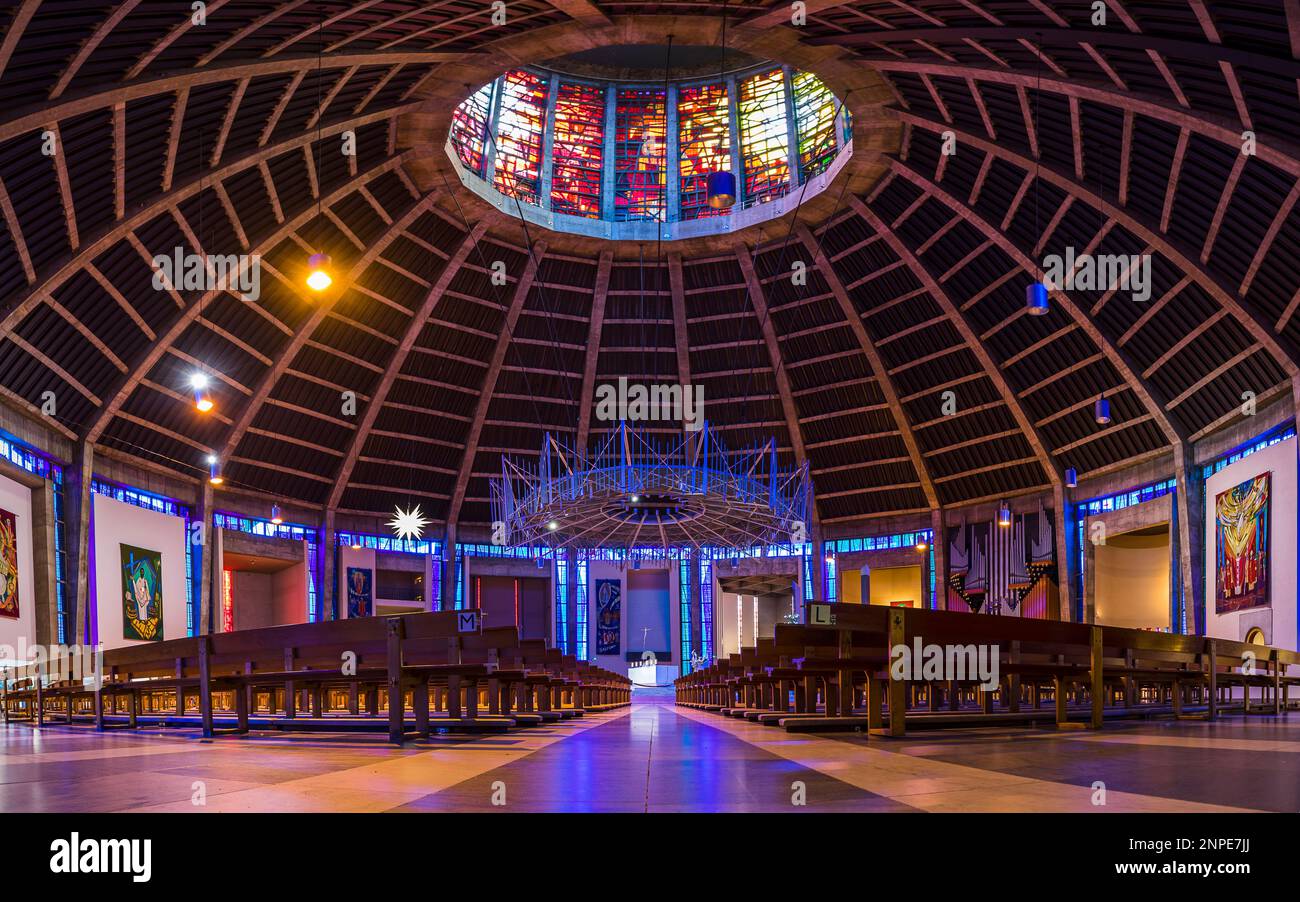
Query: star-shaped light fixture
point(408, 524)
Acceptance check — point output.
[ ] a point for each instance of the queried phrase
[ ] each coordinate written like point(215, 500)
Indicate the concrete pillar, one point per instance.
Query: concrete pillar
point(1190, 503)
point(328, 545)
point(1067, 549)
point(44, 565)
point(76, 525)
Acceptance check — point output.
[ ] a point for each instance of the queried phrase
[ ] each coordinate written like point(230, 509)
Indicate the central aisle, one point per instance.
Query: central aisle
point(652, 759)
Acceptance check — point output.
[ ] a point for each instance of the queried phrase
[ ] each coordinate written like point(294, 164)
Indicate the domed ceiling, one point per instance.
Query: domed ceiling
point(131, 130)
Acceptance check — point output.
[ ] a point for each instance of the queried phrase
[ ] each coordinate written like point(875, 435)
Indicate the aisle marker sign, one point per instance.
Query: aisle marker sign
point(467, 622)
point(819, 614)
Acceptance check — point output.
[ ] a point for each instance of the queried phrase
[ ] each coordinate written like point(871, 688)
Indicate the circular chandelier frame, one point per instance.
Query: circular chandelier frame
point(636, 491)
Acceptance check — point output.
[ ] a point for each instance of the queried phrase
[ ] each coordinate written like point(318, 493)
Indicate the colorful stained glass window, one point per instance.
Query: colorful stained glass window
point(469, 124)
point(519, 135)
point(764, 136)
point(814, 113)
point(577, 150)
point(704, 129)
point(640, 154)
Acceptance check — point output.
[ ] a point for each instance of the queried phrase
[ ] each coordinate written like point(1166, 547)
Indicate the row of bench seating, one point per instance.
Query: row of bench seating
point(816, 677)
point(344, 673)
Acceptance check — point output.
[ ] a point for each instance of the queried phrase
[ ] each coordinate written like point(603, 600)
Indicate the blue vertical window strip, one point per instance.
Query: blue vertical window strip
point(313, 578)
point(580, 604)
point(706, 607)
point(684, 592)
point(172, 508)
point(435, 587)
point(460, 579)
point(934, 595)
point(562, 601)
point(60, 556)
point(807, 575)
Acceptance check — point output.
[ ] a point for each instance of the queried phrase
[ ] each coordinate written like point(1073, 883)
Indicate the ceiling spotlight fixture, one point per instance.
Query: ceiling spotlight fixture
point(1004, 514)
point(318, 276)
point(202, 397)
point(408, 524)
point(636, 499)
point(922, 545)
point(1036, 302)
point(275, 515)
point(1071, 478)
point(1101, 412)
point(214, 470)
point(553, 526)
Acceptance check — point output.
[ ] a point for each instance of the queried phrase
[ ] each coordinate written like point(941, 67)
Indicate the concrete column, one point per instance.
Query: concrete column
point(1190, 502)
point(1067, 550)
point(672, 158)
point(792, 128)
point(608, 170)
point(328, 545)
point(44, 565)
point(733, 129)
point(76, 525)
point(547, 170)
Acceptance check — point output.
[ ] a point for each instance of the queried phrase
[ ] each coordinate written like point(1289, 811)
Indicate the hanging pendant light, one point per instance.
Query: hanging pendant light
point(1036, 299)
point(318, 275)
point(1101, 412)
point(721, 186)
point(1071, 478)
point(1004, 514)
point(275, 515)
point(202, 397)
point(214, 470)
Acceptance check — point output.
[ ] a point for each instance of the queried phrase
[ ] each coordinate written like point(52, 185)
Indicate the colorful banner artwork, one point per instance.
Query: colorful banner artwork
point(8, 565)
point(1241, 545)
point(142, 594)
point(360, 601)
point(609, 616)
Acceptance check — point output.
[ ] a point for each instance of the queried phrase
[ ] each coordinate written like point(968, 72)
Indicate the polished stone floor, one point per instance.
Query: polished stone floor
point(654, 757)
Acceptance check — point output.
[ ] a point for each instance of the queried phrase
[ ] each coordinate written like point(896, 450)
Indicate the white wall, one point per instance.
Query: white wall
point(609, 570)
point(17, 499)
point(1132, 574)
point(116, 522)
point(1279, 619)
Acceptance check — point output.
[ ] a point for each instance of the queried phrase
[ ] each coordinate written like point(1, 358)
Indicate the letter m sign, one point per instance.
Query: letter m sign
point(467, 621)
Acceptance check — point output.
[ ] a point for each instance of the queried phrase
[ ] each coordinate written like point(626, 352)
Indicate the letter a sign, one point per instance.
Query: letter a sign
point(467, 622)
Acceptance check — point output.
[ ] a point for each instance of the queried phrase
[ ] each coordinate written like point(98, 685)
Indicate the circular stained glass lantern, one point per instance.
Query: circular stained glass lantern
point(620, 153)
